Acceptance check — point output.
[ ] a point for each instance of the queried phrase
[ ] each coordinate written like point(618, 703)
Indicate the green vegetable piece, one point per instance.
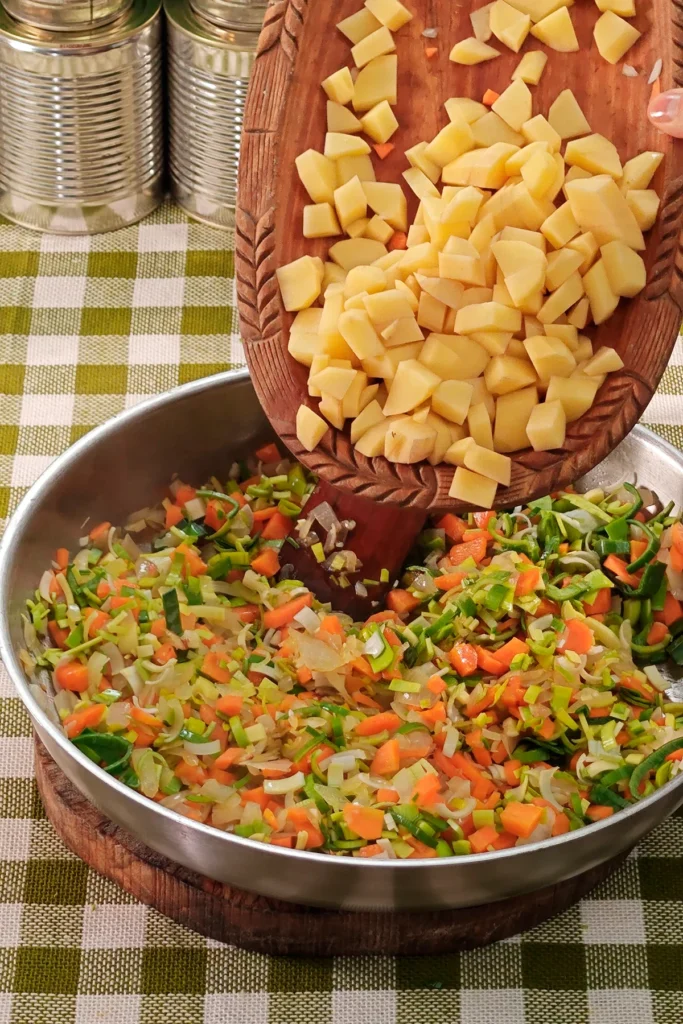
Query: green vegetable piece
point(240, 736)
point(651, 764)
point(106, 749)
point(649, 552)
point(172, 612)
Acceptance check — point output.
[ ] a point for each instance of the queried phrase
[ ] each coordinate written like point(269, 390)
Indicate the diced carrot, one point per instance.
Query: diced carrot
point(371, 850)
point(437, 713)
point(304, 763)
point(57, 635)
point(620, 569)
point(266, 563)
point(227, 758)
point(513, 694)
point(378, 723)
point(511, 769)
point(247, 613)
point(527, 581)
point(676, 558)
point(304, 674)
point(386, 795)
point(577, 636)
point(96, 619)
point(655, 90)
point(256, 795)
point(164, 654)
point(449, 580)
point(677, 535)
point(385, 616)
point(547, 607)
point(277, 528)
point(547, 730)
point(658, 631)
point(366, 822)
point(144, 718)
point(399, 240)
point(383, 149)
point(262, 515)
point(193, 564)
point(436, 685)
point(475, 534)
point(453, 526)
point(672, 611)
point(520, 819)
point(490, 97)
point(401, 601)
point(191, 774)
point(88, 718)
point(277, 617)
point(475, 707)
point(483, 838)
point(332, 624)
point(387, 759)
point(214, 666)
point(365, 701)
point(489, 663)
point(362, 665)
point(598, 812)
point(602, 603)
point(463, 658)
point(71, 675)
point(475, 549)
point(174, 514)
point(561, 824)
point(99, 534)
point(286, 841)
point(675, 755)
point(220, 775)
point(62, 558)
point(185, 493)
point(426, 790)
point(638, 547)
point(511, 649)
point(158, 627)
point(215, 515)
point(229, 704)
point(268, 453)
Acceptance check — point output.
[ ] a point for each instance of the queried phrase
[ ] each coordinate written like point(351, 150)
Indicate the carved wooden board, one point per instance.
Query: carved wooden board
point(299, 46)
point(273, 926)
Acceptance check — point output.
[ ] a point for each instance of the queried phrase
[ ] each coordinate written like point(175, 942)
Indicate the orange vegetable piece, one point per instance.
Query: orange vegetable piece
point(577, 636)
point(436, 685)
point(229, 704)
point(227, 758)
point(483, 838)
point(520, 819)
point(463, 658)
point(489, 663)
point(399, 240)
point(99, 534)
point(475, 549)
point(598, 812)
point(378, 723)
point(191, 774)
point(527, 581)
point(387, 759)
point(638, 547)
point(194, 566)
point(256, 795)
point(511, 649)
point(62, 558)
point(268, 453)
point(88, 718)
point(144, 718)
point(96, 619)
point(561, 824)
point(278, 527)
point(602, 603)
point(366, 822)
point(511, 769)
point(278, 617)
point(437, 713)
point(332, 624)
point(71, 675)
point(401, 601)
point(620, 569)
point(672, 611)
point(263, 514)
point(676, 558)
point(266, 563)
point(386, 795)
point(383, 149)
point(431, 51)
point(174, 514)
point(426, 791)
point(371, 850)
point(213, 666)
point(453, 526)
point(490, 97)
point(658, 631)
point(449, 580)
point(163, 654)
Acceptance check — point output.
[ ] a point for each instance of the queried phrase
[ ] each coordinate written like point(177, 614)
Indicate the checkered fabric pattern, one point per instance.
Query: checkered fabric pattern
point(89, 327)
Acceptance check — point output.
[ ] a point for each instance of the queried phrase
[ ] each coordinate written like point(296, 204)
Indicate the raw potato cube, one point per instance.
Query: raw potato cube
point(614, 36)
point(445, 435)
point(455, 454)
point(359, 25)
point(640, 170)
point(560, 227)
point(561, 299)
point(644, 205)
point(472, 51)
point(479, 425)
point(332, 410)
point(304, 347)
point(400, 332)
point(407, 441)
point(431, 314)
point(599, 207)
point(377, 81)
point(320, 221)
point(488, 463)
point(624, 8)
point(332, 274)
point(484, 168)
point(370, 416)
point(576, 394)
point(446, 291)
point(584, 352)
point(550, 356)
point(318, 175)
point(539, 174)
point(364, 279)
point(350, 202)
point(472, 488)
point(537, 129)
point(341, 119)
point(467, 269)
point(334, 380)
point(339, 86)
point(561, 264)
point(412, 385)
point(310, 428)
point(531, 67)
point(388, 201)
point(490, 128)
point(512, 416)
point(514, 164)
point(625, 269)
point(337, 144)
point(356, 252)
point(377, 44)
point(594, 154)
point(451, 142)
point(389, 12)
point(481, 23)
point(481, 394)
point(380, 123)
point(420, 184)
point(452, 400)
point(547, 426)
point(495, 342)
point(599, 291)
point(588, 247)
point(357, 227)
point(359, 334)
point(354, 167)
point(579, 315)
point(509, 25)
point(514, 105)
point(299, 282)
point(378, 229)
point(507, 373)
point(539, 9)
point(566, 116)
point(419, 258)
point(416, 158)
point(453, 358)
point(487, 316)
point(385, 307)
point(353, 400)
point(399, 353)
point(307, 321)
point(565, 332)
point(557, 32)
point(371, 443)
point(462, 108)
point(514, 255)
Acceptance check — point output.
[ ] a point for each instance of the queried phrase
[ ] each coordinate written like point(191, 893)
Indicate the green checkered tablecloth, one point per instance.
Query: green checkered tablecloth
point(90, 326)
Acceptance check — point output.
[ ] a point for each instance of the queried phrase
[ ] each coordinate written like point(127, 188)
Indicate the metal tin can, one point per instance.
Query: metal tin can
point(242, 15)
point(208, 73)
point(66, 15)
point(81, 123)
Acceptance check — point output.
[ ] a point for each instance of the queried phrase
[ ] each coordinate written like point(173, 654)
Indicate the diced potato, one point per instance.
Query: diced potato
point(352, 402)
point(640, 170)
point(388, 201)
point(359, 334)
point(304, 347)
point(625, 268)
point(595, 154)
point(514, 105)
point(624, 8)
point(537, 129)
point(487, 316)
point(488, 463)
point(398, 353)
point(413, 384)
point(481, 394)
point(561, 264)
point(341, 119)
point(356, 229)
point(532, 327)
point(584, 351)
point(445, 435)
point(419, 258)
point(371, 443)
point(512, 416)
point(565, 332)
point(602, 298)
point(318, 175)
point(338, 144)
point(576, 394)
point(307, 321)
point(350, 202)
point(318, 363)
point(490, 128)
point(481, 23)
point(614, 36)
point(599, 207)
point(370, 416)
point(557, 32)
point(417, 234)
point(515, 254)
point(452, 357)
point(310, 428)
point(380, 123)
point(364, 279)
point(380, 366)
point(389, 12)
point(385, 307)
point(495, 342)
point(359, 25)
point(560, 300)
point(339, 86)
point(566, 116)
point(451, 142)
point(539, 174)
point(479, 425)
point(462, 108)
point(354, 167)
point(472, 488)
point(409, 289)
point(644, 205)
point(431, 314)
point(531, 67)
point(575, 172)
point(377, 44)
point(586, 245)
point(355, 302)
point(403, 331)
point(447, 291)
point(514, 164)
point(299, 282)
point(539, 9)
point(579, 314)
point(466, 269)
point(356, 252)
point(472, 51)
point(334, 380)
point(416, 158)
point(547, 426)
point(452, 400)
point(332, 274)
point(550, 356)
point(377, 81)
point(516, 349)
point(561, 226)
point(509, 25)
point(507, 373)
point(484, 168)
point(420, 183)
point(455, 454)
point(407, 441)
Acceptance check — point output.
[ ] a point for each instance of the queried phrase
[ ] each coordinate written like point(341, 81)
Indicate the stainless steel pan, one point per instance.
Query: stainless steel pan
point(195, 430)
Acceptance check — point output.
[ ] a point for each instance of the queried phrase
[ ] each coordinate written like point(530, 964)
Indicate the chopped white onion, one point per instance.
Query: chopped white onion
point(430, 33)
point(277, 787)
point(656, 71)
point(44, 585)
point(210, 747)
point(361, 590)
point(308, 619)
point(656, 678)
point(374, 645)
point(628, 71)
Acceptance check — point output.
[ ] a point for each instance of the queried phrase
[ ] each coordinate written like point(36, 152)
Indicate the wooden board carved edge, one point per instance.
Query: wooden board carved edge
point(272, 926)
point(621, 400)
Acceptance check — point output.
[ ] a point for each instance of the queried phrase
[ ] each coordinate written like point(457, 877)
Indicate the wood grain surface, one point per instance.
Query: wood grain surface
point(273, 926)
point(298, 47)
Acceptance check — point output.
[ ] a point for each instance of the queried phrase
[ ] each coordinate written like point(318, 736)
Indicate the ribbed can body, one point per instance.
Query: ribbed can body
point(81, 124)
point(208, 75)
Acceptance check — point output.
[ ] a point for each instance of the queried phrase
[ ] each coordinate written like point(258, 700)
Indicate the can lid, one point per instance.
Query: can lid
point(241, 15)
point(196, 24)
point(82, 39)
